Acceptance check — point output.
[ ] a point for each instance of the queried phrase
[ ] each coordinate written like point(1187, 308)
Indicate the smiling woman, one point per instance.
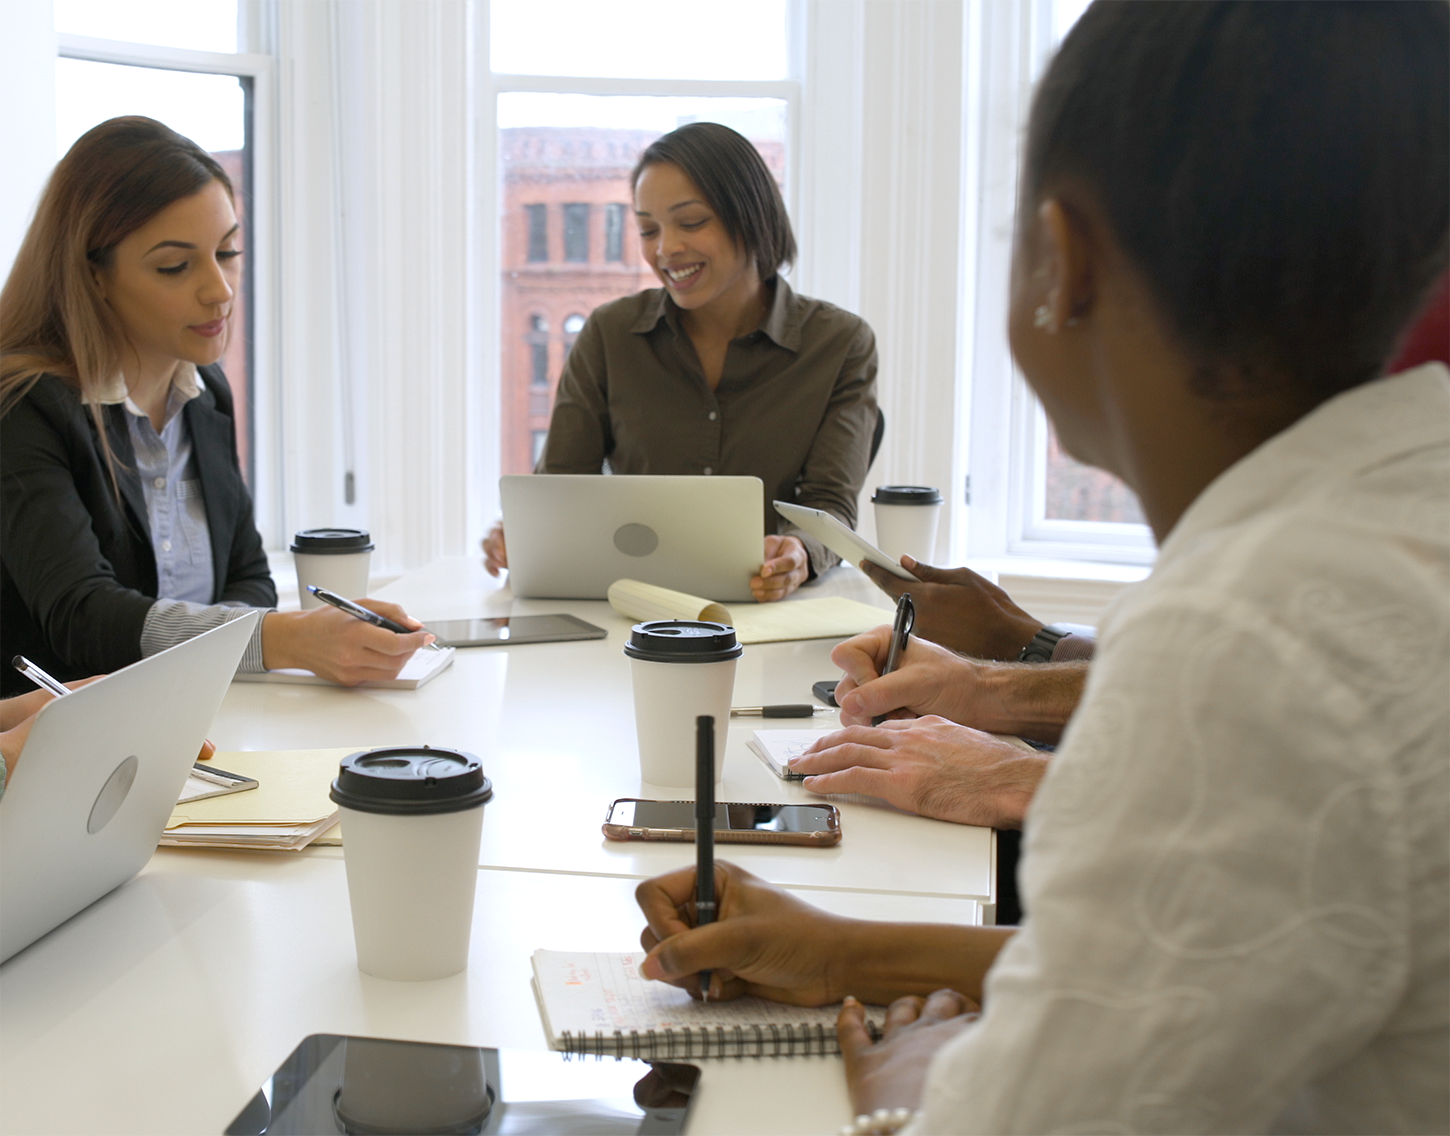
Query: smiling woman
point(125, 525)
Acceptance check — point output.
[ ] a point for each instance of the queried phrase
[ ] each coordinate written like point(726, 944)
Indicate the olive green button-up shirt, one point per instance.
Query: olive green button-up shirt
point(795, 406)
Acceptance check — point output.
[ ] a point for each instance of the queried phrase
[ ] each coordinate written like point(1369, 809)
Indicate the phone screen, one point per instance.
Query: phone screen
point(502, 630)
point(756, 818)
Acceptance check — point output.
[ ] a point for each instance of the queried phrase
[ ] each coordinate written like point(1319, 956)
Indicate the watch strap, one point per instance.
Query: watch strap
point(1042, 645)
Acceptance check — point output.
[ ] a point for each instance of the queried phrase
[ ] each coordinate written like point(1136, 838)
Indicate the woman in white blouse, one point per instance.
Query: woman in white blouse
point(1236, 869)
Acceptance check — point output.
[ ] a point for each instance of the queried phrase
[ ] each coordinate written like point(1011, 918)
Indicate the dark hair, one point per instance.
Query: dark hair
point(735, 181)
point(1279, 172)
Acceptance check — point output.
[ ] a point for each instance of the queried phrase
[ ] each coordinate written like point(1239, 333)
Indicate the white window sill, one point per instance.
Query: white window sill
point(1061, 591)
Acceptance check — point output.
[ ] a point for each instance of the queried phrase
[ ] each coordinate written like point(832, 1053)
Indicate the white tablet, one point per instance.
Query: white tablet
point(849, 545)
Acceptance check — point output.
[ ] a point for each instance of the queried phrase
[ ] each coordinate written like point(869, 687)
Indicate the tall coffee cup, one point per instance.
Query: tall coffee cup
point(906, 517)
point(411, 823)
point(335, 559)
point(680, 670)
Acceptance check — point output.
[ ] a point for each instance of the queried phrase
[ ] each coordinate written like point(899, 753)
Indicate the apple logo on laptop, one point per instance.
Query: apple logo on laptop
point(636, 539)
point(112, 794)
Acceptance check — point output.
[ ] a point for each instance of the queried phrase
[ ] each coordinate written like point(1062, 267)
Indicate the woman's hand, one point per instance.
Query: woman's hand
point(960, 609)
point(340, 647)
point(495, 553)
point(764, 941)
point(785, 569)
point(891, 1073)
point(18, 714)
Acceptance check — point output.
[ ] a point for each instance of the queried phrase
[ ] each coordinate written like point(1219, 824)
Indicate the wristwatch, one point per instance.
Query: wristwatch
point(1042, 645)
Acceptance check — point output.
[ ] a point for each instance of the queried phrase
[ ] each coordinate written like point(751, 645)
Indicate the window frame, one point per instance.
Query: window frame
point(262, 266)
point(1006, 430)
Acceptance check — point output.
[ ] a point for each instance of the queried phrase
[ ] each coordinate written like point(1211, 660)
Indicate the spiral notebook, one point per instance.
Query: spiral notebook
point(598, 1003)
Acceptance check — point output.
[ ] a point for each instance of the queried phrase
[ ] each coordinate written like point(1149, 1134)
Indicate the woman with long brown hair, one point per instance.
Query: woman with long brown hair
point(125, 525)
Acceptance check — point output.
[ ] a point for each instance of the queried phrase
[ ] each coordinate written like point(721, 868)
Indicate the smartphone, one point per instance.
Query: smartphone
point(825, 690)
point(505, 629)
point(816, 826)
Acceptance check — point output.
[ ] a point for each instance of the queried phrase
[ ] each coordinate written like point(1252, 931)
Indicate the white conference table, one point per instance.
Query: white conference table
point(164, 1007)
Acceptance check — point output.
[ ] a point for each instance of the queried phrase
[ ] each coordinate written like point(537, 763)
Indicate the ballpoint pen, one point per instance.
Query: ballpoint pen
point(704, 831)
point(357, 611)
point(60, 690)
point(792, 710)
point(900, 633)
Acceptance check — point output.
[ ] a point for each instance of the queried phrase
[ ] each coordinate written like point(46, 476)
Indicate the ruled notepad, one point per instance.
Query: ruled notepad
point(598, 1003)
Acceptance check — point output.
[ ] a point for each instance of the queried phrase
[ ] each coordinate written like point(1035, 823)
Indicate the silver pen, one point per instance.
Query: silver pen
point(39, 677)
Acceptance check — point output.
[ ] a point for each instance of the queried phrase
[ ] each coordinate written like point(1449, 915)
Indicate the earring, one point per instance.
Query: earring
point(1042, 317)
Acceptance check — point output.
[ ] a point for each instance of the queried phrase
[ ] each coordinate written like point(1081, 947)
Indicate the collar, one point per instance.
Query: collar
point(1356, 430)
point(185, 386)
point(782, 322)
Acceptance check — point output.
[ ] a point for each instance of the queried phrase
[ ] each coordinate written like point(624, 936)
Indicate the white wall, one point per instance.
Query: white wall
point(27, 121)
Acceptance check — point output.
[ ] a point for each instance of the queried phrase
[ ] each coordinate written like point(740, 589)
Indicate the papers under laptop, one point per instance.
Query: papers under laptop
point(571, 536)
point(99, 777)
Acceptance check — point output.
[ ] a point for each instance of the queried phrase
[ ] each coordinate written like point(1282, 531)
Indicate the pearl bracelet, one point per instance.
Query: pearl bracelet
point(882, 1122)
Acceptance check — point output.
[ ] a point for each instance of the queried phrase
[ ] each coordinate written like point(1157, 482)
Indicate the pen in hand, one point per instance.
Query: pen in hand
point(900, 633)
point(704, 831)
point(357, 611)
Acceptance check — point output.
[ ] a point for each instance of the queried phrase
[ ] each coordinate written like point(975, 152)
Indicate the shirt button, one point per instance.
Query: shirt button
point(709, 470)
point(159, 482)
point(713, 416)
point(165, 546)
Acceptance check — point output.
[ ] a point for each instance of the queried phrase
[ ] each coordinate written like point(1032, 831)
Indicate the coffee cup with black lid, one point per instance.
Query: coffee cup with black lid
point(906, 518)
point(412, 818)
point(680, 669)
point(335, 559)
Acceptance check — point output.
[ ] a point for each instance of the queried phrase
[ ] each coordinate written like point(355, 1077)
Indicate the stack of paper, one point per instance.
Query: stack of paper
point(425, 665)
point(831, 617)
point(288, 810)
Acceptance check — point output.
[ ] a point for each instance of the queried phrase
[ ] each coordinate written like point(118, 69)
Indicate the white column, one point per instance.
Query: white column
point(27, 126)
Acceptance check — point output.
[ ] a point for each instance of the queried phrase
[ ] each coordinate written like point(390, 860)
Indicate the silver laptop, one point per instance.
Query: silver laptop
point(99, 777)
point(572, 535)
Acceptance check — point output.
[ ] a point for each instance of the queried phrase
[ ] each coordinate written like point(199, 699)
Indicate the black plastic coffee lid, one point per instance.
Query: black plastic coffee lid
point(331, 542)
point(906, 495)
point(682, 641)
point(411, 781)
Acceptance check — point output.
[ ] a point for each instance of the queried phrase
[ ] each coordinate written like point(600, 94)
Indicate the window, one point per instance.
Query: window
point(1029, 496)
point(574, 110)
point(178, 63)
point(576, 233)
point(538, 233)
point(614, 231)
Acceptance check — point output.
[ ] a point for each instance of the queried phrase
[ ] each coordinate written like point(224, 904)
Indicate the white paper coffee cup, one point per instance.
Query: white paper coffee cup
point(411, 824)
point(680, 669)
point(335, 559)
point(906, 520)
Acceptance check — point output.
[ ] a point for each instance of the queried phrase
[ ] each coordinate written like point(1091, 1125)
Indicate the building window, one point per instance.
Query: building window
point(614, 214)
point(538, 343)
point(576, 233)
point(538, 233)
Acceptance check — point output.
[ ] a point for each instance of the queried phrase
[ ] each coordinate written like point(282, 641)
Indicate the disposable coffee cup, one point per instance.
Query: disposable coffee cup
point(335, 559)
point(680, 670)
point(906, 517)
point(411, 822)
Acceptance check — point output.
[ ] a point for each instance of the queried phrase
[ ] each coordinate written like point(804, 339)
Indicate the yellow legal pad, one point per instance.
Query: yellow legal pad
point(830, 617)
point(289, 809)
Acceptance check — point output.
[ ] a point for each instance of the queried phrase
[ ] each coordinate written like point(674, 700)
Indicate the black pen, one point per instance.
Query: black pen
point(900, 633)
point(790, 710)
point(360, 612)
point(704, 831)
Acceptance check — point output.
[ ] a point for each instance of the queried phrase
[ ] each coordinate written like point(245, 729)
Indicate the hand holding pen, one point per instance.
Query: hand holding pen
point(357, 611)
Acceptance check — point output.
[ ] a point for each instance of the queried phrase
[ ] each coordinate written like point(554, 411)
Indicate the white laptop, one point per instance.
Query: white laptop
point(572, 535)
point(99, 777)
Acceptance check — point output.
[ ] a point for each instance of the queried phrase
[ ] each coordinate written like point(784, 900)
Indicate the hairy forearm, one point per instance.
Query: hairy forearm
point(1032, 700)
point(882, 961)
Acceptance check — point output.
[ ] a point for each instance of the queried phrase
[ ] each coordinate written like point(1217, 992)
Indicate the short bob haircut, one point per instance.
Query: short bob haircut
point(1278, 172)
point(733, 176)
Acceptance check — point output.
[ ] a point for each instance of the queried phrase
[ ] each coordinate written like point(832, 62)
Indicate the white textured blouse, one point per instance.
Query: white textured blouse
point(1236, 869)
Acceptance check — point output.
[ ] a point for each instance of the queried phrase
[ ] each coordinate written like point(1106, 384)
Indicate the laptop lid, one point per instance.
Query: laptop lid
point(99, 777)
point(572, 535)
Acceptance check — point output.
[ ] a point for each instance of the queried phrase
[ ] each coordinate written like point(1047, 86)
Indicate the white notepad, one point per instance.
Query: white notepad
point(598, 1003)
point(425, 665)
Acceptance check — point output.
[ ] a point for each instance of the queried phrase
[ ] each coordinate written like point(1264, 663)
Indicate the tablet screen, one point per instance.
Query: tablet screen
point(333, 1084)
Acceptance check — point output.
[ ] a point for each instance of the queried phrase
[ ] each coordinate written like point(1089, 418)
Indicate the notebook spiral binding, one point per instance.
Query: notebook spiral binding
point(802, 1040)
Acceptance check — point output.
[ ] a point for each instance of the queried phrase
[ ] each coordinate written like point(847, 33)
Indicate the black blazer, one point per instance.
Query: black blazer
point(77, 570)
